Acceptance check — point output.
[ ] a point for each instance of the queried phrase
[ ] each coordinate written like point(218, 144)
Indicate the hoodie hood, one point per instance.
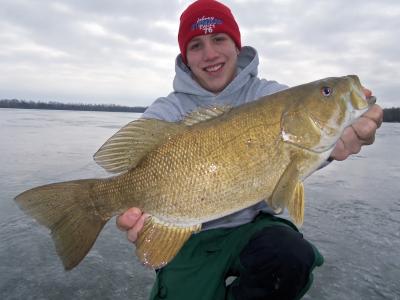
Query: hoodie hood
point(246, 68)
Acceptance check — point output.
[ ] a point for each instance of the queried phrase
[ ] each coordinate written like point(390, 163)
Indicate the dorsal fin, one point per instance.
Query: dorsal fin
point(132, 142)
point(205, 113)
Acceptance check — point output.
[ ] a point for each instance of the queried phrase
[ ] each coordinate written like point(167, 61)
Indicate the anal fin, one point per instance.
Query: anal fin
point(159, 242)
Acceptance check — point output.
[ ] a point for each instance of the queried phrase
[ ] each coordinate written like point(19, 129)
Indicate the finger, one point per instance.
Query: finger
point(347, 144)
point(375, 113)
point(351, 140)
point(367, 92)
point(339, 152)
point(362, 132)
point(133, 233)
point(367, 137)
point(365, 130)
point(128, 219)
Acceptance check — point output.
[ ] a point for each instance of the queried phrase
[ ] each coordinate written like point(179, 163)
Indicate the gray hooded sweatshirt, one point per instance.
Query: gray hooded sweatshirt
point(188, 96)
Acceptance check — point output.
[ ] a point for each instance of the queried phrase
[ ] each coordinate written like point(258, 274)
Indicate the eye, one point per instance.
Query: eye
point(219, 38)
point(326, 91)
point(194, 46)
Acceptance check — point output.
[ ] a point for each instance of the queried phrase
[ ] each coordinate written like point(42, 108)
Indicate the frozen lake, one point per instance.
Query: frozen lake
point(352, 214)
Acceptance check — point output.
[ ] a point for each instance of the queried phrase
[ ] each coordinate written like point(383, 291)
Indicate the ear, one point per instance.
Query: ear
point(237, 51)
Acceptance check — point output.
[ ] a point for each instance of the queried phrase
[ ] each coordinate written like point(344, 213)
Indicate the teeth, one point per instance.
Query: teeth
point(214, 68)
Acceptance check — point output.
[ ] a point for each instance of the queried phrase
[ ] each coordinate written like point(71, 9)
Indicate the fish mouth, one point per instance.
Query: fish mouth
point(358, 100)
point(359, 104)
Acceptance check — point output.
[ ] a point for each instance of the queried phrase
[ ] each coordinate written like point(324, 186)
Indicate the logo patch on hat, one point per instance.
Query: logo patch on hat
point(207, 24)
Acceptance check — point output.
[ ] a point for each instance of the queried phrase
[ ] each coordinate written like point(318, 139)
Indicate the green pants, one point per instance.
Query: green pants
point(200, 268)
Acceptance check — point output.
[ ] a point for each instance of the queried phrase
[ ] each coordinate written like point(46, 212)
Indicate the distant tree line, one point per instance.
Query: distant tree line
point(14, 103)
point(391, 114)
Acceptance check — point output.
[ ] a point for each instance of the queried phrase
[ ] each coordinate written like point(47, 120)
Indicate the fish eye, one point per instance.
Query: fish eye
point(326, 91)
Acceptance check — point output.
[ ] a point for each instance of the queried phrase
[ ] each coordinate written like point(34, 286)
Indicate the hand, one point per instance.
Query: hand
point(362, 132)
point(132, 222)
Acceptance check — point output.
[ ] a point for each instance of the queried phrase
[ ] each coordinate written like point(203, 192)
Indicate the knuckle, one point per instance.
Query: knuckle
point(367, 129)
point(132, 235)
point(356, 149)
point(120, 224)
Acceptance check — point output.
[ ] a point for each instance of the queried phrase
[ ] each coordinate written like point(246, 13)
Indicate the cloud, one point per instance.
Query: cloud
point(301, 41)
point(123, 52)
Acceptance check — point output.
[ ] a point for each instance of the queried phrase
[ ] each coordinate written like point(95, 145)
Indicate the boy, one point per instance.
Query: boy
point(267, 254)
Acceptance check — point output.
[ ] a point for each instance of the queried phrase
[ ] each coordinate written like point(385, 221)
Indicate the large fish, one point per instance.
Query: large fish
point(217, 161)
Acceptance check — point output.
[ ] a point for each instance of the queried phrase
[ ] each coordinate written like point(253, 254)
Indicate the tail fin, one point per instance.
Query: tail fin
point(67, 209)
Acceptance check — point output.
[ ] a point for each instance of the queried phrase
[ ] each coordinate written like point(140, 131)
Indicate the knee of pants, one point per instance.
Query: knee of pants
point(278, 250)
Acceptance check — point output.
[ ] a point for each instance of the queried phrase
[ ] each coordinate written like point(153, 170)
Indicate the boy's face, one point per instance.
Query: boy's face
point(212, 59)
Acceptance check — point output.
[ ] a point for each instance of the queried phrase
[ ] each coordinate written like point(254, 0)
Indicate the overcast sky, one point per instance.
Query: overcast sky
point(123, 51)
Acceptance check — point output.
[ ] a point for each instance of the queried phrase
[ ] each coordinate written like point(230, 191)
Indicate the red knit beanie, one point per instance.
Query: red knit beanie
point(206, 17)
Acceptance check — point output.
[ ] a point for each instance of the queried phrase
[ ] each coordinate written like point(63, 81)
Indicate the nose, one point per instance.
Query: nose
point(210, 52)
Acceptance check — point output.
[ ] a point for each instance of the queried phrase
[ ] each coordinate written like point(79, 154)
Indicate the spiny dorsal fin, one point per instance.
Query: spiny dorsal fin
point(159, 242)
point(132, 142)
point(204, 114)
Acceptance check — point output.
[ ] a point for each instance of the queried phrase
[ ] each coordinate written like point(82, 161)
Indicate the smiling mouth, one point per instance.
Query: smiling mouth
point(213, 68)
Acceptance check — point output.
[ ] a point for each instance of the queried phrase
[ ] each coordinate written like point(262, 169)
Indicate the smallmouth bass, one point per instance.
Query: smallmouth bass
point(215, 162)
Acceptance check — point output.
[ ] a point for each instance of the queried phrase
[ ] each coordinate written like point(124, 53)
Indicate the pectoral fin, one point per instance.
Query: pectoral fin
point(159, 242)
point(296, 204)
point(289, 192)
